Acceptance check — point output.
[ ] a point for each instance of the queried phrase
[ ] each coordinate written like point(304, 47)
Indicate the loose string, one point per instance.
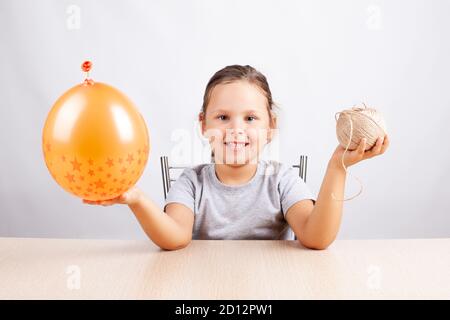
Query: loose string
point(348, 114)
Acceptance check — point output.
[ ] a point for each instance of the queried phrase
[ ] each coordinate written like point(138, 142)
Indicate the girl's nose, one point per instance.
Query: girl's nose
point(234, 134)
point(235, 131)
point(237, 126)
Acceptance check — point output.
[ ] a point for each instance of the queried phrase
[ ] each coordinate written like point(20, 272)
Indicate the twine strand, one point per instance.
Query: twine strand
point(343, 164)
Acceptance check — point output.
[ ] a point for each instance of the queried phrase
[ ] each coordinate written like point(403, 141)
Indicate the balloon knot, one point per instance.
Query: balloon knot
point(88, 82)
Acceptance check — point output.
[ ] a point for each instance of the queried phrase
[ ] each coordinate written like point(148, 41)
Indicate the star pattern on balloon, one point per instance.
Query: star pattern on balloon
point(97, 177)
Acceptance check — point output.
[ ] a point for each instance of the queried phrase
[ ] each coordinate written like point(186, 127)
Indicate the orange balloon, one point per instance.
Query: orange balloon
point(95, 142)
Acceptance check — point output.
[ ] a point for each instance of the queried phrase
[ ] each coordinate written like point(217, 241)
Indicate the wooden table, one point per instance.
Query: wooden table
point(117, 269)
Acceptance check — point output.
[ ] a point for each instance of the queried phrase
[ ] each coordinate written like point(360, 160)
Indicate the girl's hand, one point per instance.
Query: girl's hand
point(357, 155)
point(130, 197)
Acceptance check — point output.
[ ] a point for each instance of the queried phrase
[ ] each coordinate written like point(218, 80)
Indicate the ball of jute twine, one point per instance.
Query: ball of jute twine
point(353, 125)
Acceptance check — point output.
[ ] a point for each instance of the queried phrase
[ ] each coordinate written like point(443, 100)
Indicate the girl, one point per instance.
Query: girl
point(239, 196)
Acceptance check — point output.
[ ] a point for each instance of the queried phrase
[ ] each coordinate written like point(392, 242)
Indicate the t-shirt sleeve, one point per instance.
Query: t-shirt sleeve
point(183, 190)
point(292, 189)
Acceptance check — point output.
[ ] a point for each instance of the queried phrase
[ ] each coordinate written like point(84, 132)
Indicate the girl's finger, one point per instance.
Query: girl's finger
point(385, 144)
point(108, 202)
point(376, 148)
point(98, 202)
point(362, 146)
point(122, 198)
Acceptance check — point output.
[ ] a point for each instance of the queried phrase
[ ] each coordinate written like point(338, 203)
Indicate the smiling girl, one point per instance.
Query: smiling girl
point(239, 195)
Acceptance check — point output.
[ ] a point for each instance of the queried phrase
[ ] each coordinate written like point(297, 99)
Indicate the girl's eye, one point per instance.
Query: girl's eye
point(249, 118)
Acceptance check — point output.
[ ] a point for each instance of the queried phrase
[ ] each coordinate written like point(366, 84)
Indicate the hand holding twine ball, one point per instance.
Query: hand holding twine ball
point(95, 141)
point(356, 124)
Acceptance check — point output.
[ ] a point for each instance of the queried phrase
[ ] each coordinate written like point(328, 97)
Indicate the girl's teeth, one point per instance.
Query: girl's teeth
point(236, 146)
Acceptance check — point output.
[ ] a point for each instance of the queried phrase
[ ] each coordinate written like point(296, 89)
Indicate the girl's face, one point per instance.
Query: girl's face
point(237, 123)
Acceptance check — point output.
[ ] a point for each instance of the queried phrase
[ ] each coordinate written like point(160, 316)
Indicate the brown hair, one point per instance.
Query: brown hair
point(235, 73)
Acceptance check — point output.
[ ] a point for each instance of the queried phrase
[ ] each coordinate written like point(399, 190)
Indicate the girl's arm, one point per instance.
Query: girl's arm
point(317, 226)
point(169, 230)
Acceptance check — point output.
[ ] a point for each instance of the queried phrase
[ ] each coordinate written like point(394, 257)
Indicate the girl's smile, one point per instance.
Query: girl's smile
point(236, 146)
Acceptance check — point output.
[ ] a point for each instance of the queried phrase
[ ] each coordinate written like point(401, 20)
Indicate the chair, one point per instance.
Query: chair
point(168, 178)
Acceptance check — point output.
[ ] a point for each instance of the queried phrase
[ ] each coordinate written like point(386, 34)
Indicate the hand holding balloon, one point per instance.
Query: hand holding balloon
point(130, 197)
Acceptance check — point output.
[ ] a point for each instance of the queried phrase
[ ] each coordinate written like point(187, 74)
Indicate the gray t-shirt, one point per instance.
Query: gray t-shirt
point(254, 210)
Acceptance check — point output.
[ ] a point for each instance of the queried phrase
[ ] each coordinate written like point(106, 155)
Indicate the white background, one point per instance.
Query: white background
point(319, 57)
